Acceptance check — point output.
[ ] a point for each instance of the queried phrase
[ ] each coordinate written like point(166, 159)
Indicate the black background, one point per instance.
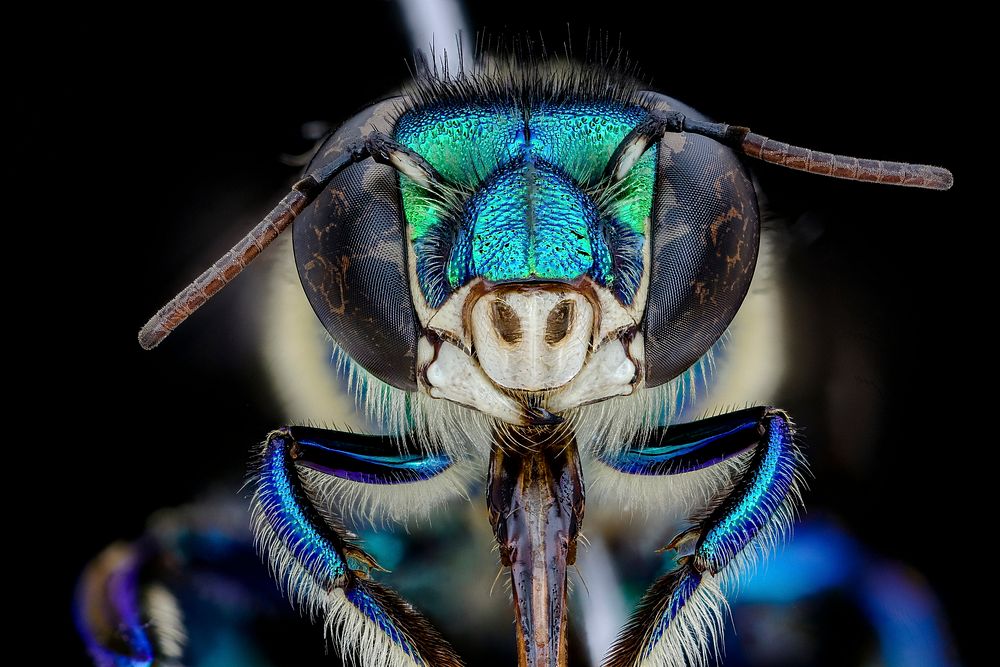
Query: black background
point(143, 151)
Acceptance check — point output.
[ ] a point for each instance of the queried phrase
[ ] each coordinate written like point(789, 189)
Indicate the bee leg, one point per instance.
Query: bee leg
point(109, 611)
point(127, 605)
point(679, 616)
point(315, 559)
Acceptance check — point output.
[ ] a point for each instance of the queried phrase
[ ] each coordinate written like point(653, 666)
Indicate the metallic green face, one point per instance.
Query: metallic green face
point(493, 266)
point(529, 204)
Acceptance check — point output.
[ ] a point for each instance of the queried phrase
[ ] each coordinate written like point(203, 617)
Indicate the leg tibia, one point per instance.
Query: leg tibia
point(758, 499)
point(328, 576)
point(679, 616)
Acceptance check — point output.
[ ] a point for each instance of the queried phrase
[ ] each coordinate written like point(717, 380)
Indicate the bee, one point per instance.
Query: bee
point(524, 270)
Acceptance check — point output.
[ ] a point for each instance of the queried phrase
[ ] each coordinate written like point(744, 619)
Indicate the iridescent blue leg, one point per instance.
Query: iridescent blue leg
point(324, 572)
point(108, 612)
point(679, 615)
point(133, 600)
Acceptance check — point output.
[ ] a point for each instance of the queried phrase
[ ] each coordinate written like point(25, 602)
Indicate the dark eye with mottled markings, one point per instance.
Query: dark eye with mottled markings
point(351, 254)
point(705, 236)
point(351, 257)
point(525, 270)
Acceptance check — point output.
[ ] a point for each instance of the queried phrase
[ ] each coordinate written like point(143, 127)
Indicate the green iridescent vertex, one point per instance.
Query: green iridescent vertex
point(531, 214)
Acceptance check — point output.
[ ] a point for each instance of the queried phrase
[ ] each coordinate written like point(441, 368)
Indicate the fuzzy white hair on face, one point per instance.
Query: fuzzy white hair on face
point(317, 384)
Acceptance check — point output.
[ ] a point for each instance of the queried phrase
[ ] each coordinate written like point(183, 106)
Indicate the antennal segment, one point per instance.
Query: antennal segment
point(754, 145)
point(377, 145)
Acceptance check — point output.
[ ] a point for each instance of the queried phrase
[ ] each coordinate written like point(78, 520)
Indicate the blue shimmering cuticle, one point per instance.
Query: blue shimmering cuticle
point(371, 608)
point(770, 482)
point(302, 537)
point(530, 211)
point(581, 137)
point(301, 533)
point(122, 591)
point(681, 594)
point(400, 468)
point(421, 466)
point(653, 460)
point(466, 142)
point(512, 234)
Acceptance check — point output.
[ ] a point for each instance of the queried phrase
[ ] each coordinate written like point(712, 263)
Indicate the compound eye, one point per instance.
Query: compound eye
point(351, 258)
point(705, 236)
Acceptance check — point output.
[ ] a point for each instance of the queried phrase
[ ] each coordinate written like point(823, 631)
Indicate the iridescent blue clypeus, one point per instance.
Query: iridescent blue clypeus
point(751, 505)
point(513, 234)
point(529, 173)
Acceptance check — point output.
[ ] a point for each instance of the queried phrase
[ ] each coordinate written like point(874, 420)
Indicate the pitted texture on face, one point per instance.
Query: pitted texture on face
point(529, 220)
point(532, 207)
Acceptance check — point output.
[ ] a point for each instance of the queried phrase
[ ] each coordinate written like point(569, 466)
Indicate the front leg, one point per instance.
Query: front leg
point(678, 617)
point(315, 560)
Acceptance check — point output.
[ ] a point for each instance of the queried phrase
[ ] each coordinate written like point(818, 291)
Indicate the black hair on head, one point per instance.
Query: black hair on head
point(521, 71)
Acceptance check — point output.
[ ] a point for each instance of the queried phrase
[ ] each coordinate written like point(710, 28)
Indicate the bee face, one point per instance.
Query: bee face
point(526, 270)
point(527, 244)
